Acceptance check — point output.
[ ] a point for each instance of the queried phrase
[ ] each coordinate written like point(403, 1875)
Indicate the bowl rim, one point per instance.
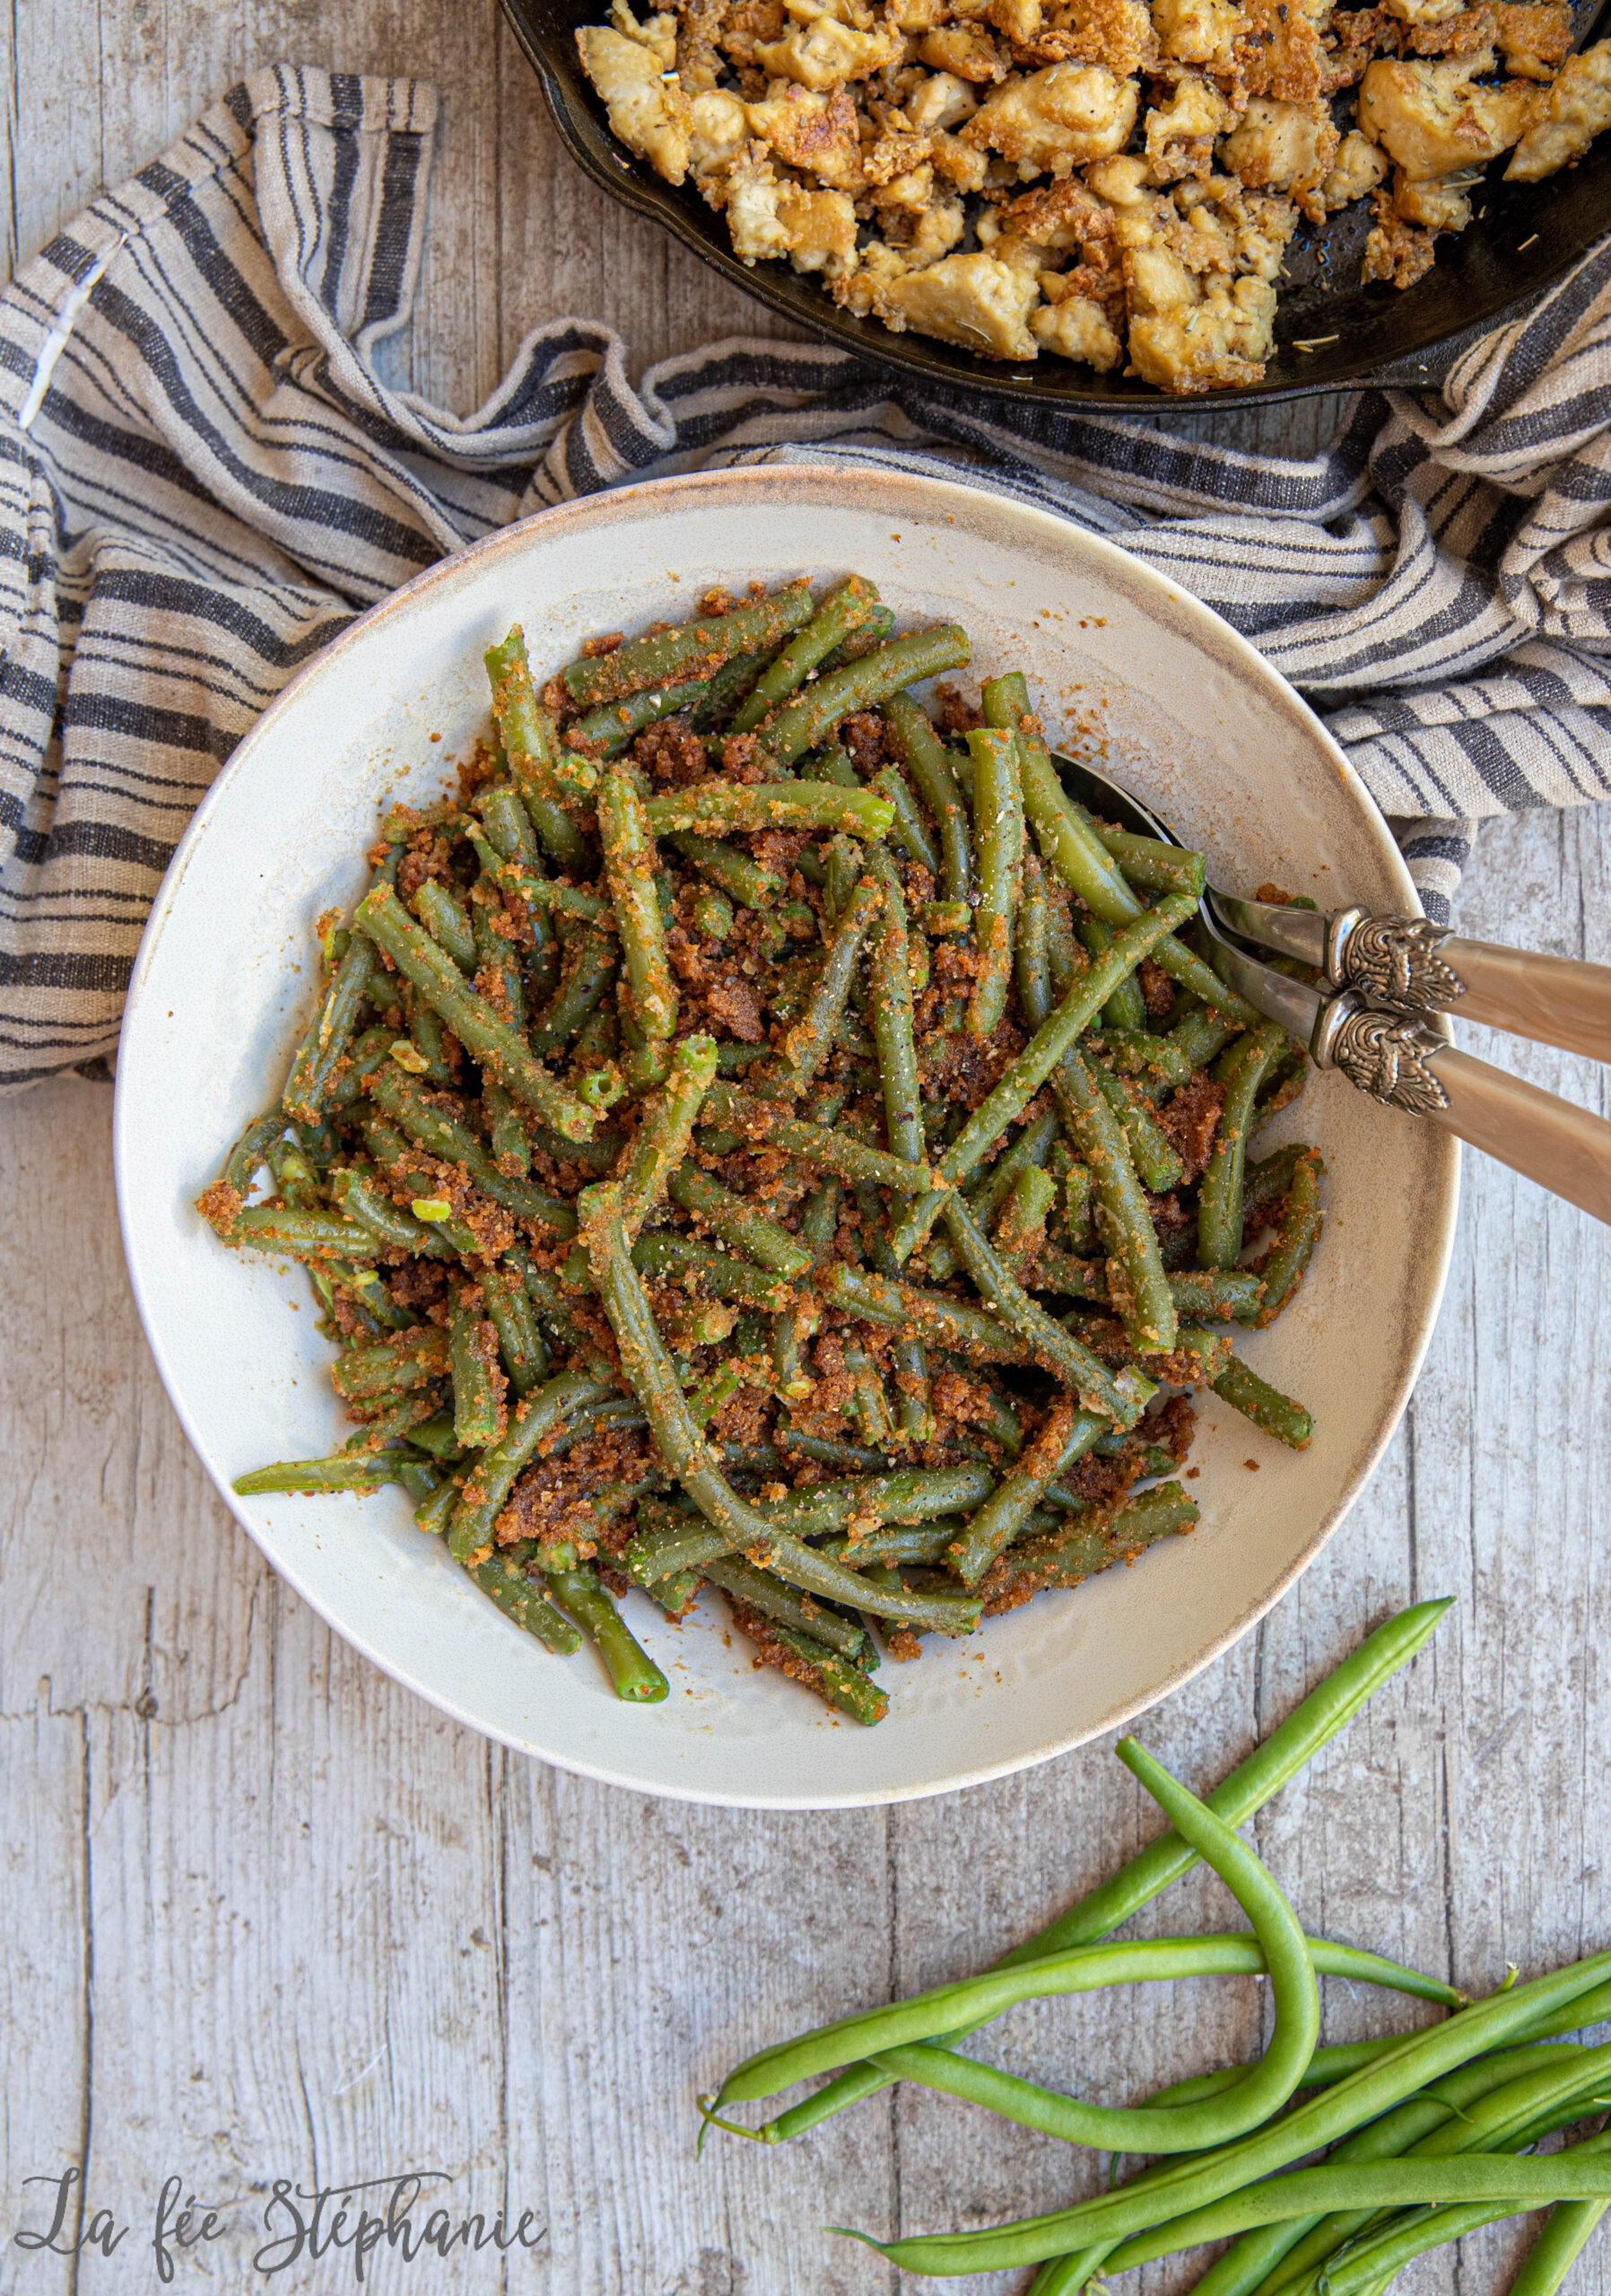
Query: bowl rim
point(1202, 622)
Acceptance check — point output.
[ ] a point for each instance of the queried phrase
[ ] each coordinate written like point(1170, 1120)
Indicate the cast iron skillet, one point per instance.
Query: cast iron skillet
point(1489, 272)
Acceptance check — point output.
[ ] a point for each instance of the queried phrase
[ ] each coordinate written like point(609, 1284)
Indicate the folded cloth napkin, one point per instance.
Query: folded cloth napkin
point(203, 479)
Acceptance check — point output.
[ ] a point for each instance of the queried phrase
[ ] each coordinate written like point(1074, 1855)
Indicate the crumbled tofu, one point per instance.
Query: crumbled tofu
point(1435, 201)
point(1215, 343)
point(1396, 252)
point(1281, 51)
point(963, 168)
point(1577, 107)
point(1422, 11)
point(811, 132)
point(964, 52)
point(1119, 33)
point(940, 228)
point(1076, 329)
point(1204, 32)
point(1358, 168)
point(758, 231)
point(658, 34)
point(1180, 134)
point(820, 228)
point(1125, 182)
point(1535, 42)
point(647, 111)
point(1433, 120)
point(971, 299)
point(826, 54)
point(1018, 21)
point(1289, 147)
point(880, 266)
point(941, 101)
point(1055, 120)
point(718, 133)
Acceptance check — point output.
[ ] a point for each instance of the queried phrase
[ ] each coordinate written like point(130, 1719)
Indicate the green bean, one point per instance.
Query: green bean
point(811, 1039)
point(241, 1164)
point(326, 1043)
point(904, 1496)
point(448, 921)
point(733, 873)
point(436, 1436)
point(506, 1131)
point(808, 1568)
point(844, 610)
point(519, 1342)
point(664, 1129)
point(606, 730)
point(506, 822)
point(393, 1418)
point(834, 1679)
point(1232, 1293)
point(473, 1020)
point(347, 1471)
point(1149, 862)
point(1312, 1724)
point(805, 724)
point(1136, 1274)
point(719, 808)
point(445, 1137)
point(699, 648)
point(425, 1052)
point(833, 764)
point(1049, 1342)
point(1283, 1270)
point(736, 1220)
point(1243, 1388)
point(590, 965)
point(530, 745)
point(496, 955)
point(1127, 1007)
point(632, 1671)
point(669, 1258)
point(300, 1235)
point(1066, 1435)
point(1030, 945)
point(1555, 2249)
point(399, 1231)
point(502, 1577)
point(1268, 1184)
point(414, 1360)
point(774, 1600)
point(818, 1144)
point(630, 865)
point(845, 862)
point(1092, 1541)
point(1038, 1060)
point(1021, 1226)
point(909, 828)
point(477, 1379)
point(926, 758)
point(935, 1314)
point(894, 1543)
point(1240, 1070)
point(889, 1000)
point(421, 1478)
point(493, 1475)
point(712, 914)
point(1157, 1160)
point(998, 841)
point(1029, 1151)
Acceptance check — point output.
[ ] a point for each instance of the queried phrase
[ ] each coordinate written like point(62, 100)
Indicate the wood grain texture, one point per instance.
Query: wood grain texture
point(265, 1915)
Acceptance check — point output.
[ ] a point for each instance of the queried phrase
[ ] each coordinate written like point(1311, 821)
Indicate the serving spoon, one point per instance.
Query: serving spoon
point(1380, 978)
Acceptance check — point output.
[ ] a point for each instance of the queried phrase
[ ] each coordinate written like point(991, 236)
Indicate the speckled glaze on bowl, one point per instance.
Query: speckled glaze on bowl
point(225, 979)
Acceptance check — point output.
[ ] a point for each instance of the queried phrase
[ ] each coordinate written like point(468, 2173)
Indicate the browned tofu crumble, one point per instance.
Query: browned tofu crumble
point(1104, 181)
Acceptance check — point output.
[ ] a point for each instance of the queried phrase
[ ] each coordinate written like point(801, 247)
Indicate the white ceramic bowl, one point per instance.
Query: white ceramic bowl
point(225, 979)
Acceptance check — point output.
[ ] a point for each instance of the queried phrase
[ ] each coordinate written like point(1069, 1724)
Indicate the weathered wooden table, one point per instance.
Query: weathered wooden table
point(266, 1917)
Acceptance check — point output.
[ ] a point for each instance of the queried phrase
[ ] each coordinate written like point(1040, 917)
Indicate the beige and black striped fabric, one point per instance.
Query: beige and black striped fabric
point(202, 481)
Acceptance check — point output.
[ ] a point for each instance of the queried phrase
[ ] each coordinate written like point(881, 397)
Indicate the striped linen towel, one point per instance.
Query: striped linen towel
point(203, 479)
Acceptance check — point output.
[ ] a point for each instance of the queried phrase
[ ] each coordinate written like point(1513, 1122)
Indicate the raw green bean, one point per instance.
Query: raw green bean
point(694, 648)
point(502, 1577)
point(807, 723)
point(908, 828)
point(471, 1017)
point(1135, 1277)
point(494, 1473)
point(347, 1471)
point(532, 749)
point(629, 863)
point(326, 1041)
point(477, 1379)
point(448, 921)
point(1240, 1070)
point(719, 808)
point(1038, 1060)
point(1066, 1435)
point(736, 1220)
point(451, 1142)
point(890, 1001)
point(812, 1038)
point(1283, 1269)
point(926, 759)
point(998, 842)
point(633, 1671)
point(519, 1342)
point(776, 1601)
point(606, 730)
point(845, 610)
point(1555, 2249)
point(1048, 1343)
point(733, 873)
point(1243, 1388)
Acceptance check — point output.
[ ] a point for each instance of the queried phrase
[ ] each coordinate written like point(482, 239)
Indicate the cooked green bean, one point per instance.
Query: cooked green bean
point(669, 1258)
point(664, 1129)
point(1136, 1278)
point(843, 611)
point(818, 1144)
point(906, 1495)
point(833, 1678)
point(414, 1360)
point(388, 1224)
point(301, 1235)
point(448, 921)
point(1127, 1007)
point(935, 1314)
point(630, 863)
point(694, 648)
point(606, 730)
point(529, 743)
point(590, 965)
point(1049, 1342)
point(1092, 1540)
point(998, 842)
point(721, 808)
point(732, 872)
point(1147, 862)
point(1030, 1150)
point(1243, 1388)
point(1065, 1435)
point(477, 1377)
point(1283, 1268)
point(1030, 962)
point(807, 723)
point(1240, 1070)
point(473, 1020)
point(926, 759)
point(889, 1002)
point(520, 1346)
point(633, 1671)
point(908, 828)
point(444, 1136)
point(493, 1474)
point(1021, 1226)
point(326, 1043)
point(808, 1567)
point(809, 1042)
point(1232, 1293)
point(776, 1601)
point(1157, 1160)
point(502, 1577)
point(735, 1219)
point(347, 1471)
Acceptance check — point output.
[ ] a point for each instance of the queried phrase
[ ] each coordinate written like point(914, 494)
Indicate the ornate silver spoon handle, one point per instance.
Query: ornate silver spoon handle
point(1410, 966)
point(1403, 1062)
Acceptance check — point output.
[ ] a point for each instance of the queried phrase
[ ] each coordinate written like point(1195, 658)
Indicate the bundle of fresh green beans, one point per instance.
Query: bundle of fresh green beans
point(1425, 2136)
point(726, 1152)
